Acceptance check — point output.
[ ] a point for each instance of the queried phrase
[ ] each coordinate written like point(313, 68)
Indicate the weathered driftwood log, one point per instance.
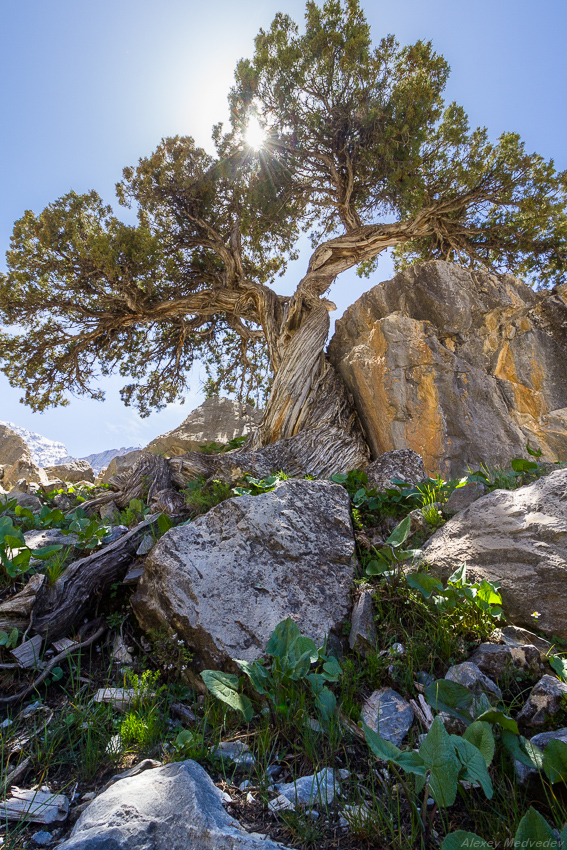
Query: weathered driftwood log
point(15, 613)
point(311, 452)
point(149, 480)
point(55, 609)
point(35, 806)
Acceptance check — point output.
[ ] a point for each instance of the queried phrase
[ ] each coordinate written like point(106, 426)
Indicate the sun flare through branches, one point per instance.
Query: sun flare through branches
point(255, 134)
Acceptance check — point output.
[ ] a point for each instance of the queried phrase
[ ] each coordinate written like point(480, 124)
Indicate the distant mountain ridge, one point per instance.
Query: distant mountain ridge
point(44, 452)
point(99, 460)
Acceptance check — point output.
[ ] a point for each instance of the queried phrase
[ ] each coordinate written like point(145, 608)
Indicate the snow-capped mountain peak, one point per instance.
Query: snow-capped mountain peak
point(44, 452)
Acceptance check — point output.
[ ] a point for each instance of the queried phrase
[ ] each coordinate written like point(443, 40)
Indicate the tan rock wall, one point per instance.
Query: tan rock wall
point(462, 367)
point(16, 461)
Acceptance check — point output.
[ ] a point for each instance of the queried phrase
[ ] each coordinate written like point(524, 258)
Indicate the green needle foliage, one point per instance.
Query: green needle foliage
point(360, 145)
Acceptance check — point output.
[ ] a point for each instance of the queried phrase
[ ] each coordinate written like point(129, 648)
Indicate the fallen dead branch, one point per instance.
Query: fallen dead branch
point(54, 661)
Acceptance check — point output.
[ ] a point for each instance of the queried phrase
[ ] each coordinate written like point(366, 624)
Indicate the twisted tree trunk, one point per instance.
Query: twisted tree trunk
point(309, 405)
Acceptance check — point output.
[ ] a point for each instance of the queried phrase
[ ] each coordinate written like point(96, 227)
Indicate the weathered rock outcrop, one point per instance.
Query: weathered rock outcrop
point(402, 464)
point(519, 539)
point(120, 464)
point(463, 367)
point(72, 471)
point(226, 580)
point(16, 461)
point(176, 806)
point(217, 420)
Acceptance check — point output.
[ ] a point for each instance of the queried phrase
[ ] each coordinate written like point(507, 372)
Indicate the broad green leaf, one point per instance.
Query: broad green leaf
point(326, 703)
point(461, 840)
point(563, 836)
point(555, 761)
point(487, 593)
point(14, 541)
point(164, 523)
point(522, 750)
point(304, 646)
point(381, 748)
point(519, 464)
point(474, 765)
point(459, 577)
point(184, 738)
point(438, 753)
point(533, 452)
point(493, 715)
point(359, 497)
point(317, 682)
point(559, 665)
point(455, 699)
point(425, 583)
point(224, 687)
point(260, 678)
point(332, 670)
point(339, 478)
point(480, 734)
point(412, 763)
point(47, 551)
point(282, 638)
point(534, 831)
point(400, 533)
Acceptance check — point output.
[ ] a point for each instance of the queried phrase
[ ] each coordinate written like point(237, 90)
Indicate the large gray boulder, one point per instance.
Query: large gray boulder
point(217, 420)
point(517, 538)
point(175, 807)
point(462, 366)
point(225, 581)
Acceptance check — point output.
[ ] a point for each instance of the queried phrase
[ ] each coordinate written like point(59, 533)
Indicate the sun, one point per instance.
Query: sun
point(255, 135)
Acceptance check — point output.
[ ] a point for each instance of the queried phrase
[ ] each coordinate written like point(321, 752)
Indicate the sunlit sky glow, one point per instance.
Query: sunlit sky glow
point(87, 88)
point(255, 135)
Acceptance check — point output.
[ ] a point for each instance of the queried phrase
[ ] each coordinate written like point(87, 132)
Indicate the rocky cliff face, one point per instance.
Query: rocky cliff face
point(463, 367)
point(16, 461)
point(44, 452)
point(217, 420)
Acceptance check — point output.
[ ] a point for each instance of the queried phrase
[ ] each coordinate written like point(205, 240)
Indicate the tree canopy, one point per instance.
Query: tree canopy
point(360, 151)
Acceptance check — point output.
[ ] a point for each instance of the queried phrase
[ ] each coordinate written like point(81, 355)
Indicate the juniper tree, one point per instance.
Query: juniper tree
point(359, 150)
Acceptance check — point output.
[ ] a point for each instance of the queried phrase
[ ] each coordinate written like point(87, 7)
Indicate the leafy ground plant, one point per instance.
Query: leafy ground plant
point(15, 556)
point(293, 657)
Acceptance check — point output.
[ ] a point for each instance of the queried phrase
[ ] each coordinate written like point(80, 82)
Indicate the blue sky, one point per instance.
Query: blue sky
point(87, 88)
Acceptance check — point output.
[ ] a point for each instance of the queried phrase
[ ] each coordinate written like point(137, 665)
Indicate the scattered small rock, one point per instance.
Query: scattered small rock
point(515, 636)
point(120, 652)
point(400, 464)
point(469, 675)
point(43, 838)
point(320, 787)
point(236, 752)
point(541, 740)
point(462, 497)
point(115, 532)
point(496, 659)
point(109, 511)
point(363, 630)
point(146, 544)
point(546, 699)
point(388, 714)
